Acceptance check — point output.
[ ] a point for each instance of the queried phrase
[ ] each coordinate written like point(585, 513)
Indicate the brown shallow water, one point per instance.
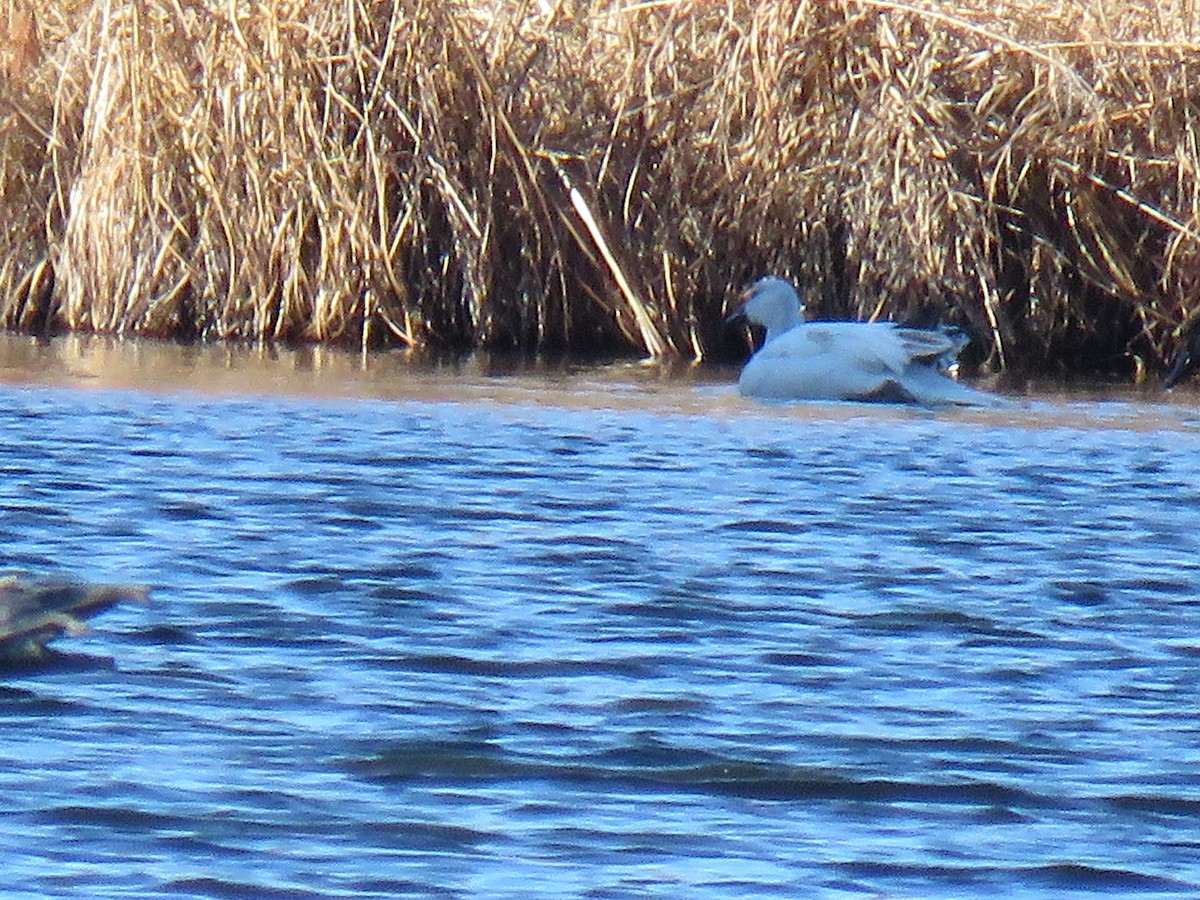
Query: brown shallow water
point(498, 630)
point(91, 363)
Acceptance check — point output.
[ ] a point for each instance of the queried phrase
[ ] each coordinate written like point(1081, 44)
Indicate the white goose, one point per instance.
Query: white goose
point(845, 360)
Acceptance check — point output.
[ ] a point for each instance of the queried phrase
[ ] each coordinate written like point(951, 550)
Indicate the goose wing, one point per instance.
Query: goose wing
point(926, 345)
point(824, 361)
point(875, 347)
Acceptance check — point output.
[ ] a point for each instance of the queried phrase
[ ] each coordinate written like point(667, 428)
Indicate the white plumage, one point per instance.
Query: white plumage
point(845, 360)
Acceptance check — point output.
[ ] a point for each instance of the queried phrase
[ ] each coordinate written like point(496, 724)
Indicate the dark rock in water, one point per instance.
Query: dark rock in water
point(34, 613)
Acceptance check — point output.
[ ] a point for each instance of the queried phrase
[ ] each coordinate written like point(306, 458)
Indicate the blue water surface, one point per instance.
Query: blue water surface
point(414, 647)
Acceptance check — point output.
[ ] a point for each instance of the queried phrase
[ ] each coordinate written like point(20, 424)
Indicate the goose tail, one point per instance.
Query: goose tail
point(929, 387)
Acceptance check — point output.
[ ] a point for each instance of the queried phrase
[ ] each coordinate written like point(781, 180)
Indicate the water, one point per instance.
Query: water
point(593, 634)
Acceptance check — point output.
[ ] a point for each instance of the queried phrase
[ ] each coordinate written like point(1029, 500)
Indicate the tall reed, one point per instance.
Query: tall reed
point(590, 174)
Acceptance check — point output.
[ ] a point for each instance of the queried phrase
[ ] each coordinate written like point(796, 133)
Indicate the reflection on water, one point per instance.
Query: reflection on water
point(592, 632)
point(87, 361)
point(240, 369)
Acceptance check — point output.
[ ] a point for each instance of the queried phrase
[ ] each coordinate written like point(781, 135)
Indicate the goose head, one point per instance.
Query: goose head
point(773, 303)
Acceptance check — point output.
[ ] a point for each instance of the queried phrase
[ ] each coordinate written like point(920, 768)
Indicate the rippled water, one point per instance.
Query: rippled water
point(595, 634)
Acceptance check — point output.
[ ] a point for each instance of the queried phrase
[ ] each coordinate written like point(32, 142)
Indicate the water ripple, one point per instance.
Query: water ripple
point(433, 648)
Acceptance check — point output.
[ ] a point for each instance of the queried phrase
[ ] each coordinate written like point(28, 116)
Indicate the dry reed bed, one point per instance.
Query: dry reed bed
point(552, 174)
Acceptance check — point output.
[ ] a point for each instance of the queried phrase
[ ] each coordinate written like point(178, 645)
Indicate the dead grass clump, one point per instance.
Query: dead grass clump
point(589, 173)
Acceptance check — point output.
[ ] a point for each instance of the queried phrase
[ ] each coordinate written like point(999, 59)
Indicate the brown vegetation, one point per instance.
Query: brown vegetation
point(584, 174)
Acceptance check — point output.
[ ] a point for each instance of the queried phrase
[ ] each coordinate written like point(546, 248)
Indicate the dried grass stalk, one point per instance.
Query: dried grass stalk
point(583, 174)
